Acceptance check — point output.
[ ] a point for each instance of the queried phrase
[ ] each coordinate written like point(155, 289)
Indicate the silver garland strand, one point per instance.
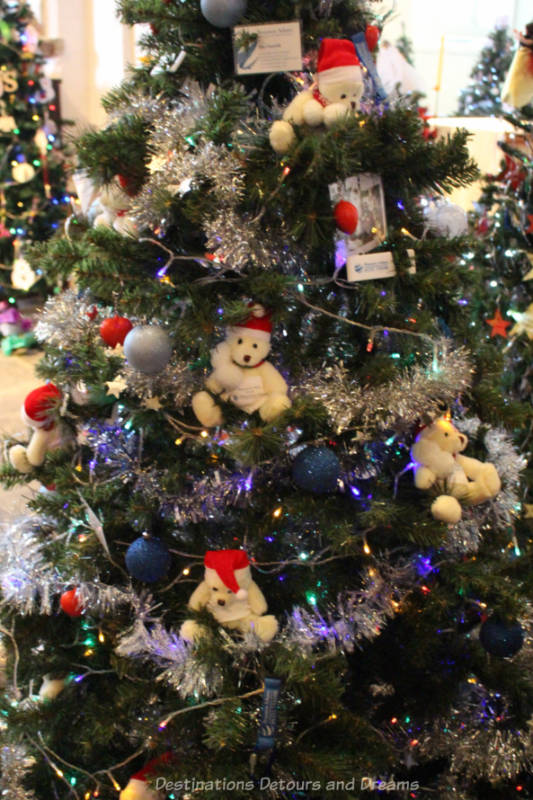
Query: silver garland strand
point(499, 513)
point(64, 320)
point(176, 383)
point(211, 496)
point(358, 615)
point(30, 584)
point(183, 161)
point(115, 448)
point(15, 763)
point(414, 395)
point(149, 641)
point(478, 737)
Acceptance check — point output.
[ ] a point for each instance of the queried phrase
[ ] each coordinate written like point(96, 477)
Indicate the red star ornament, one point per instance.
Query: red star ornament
point(529, 229)
point(498, 325)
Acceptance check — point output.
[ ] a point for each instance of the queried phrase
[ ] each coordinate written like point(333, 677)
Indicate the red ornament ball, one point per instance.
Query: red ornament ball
point(71, 604)
point(346, 216)
point(114, 330)
point(372, 34)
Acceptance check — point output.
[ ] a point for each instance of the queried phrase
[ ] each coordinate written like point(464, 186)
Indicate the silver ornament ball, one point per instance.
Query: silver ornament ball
point(147, 348)
point(447, 219)
point(223, 13)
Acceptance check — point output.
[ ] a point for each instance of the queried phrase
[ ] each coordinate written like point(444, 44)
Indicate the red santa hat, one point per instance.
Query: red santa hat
point(40, 406)
point(338, 61)
point(137, 787)
point(230, 566)
point(258, 324)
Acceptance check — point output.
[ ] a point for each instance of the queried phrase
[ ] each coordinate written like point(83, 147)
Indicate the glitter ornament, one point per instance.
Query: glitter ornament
point(316, 469)
point(346, 216)
point(114, 330)
point(500, 639)
point(147, 559)
point(148, 349)
point(71, 604)
point(223, 13)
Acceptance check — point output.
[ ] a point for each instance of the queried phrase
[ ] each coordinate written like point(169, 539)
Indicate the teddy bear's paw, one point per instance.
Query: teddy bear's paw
point(333, 113)
point(281, 136)
point(265, 627)
point(19, 459)
point(206, 410)
point(447, 509)
point(490, 478)
point(191, 631)
point(274, 406)
point(424, 478)
point(313, 113)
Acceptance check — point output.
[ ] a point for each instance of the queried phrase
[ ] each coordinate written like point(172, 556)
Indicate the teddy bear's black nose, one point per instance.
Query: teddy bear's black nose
point(221, 602)
point(352, 105)
point(246, 358)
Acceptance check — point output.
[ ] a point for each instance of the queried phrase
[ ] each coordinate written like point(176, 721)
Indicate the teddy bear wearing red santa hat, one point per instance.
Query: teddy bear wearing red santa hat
point(230, 594)
point(241, 375)
point(337, 92)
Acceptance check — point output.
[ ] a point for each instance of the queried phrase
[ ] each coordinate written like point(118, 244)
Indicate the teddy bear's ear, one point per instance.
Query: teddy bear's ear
point(200, 596)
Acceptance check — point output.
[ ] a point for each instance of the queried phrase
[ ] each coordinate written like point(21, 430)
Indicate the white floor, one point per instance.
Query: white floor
point(16, 380)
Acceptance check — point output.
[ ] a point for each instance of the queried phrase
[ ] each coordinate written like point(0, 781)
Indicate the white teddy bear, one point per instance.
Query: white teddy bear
point(241, 374)
point(338, 91)
point(437, 459)
point(111, 207)
point(231, 595)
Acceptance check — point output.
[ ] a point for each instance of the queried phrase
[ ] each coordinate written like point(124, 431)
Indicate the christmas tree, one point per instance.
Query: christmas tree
point(33, 200)
point(504, 232)
point(482, 97)
point(261, 564)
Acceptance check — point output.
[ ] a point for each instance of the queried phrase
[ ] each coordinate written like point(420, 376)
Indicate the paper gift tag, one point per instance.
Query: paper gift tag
point(373, 266)
point(269, 47)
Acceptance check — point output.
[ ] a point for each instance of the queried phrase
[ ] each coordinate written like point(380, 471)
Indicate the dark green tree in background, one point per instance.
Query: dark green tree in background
point(33, 198)
point(482, 97)
point(380, 670)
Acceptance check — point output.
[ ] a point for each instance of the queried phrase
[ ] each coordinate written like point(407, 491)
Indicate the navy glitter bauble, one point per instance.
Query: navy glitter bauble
point(316, 469)
point(500, 639)
point(147, 559)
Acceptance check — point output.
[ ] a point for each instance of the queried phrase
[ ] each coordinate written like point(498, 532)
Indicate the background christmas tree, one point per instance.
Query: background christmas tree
point(377, 670)
point(33, 198)
point(482, 97)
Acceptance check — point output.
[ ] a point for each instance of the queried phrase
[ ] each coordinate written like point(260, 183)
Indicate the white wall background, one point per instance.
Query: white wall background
point(97, 47)
point(464, 25)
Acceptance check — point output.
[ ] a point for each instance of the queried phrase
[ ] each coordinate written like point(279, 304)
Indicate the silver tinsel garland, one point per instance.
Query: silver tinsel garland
point(500, 512)
point(175, 384)
point(478, 737)
point(209, 497)
point(15, 763)
point(64, 321)
point(183, 161)
point(357, 615)
point(30, 584)
point(149, 640)
point(414, 395)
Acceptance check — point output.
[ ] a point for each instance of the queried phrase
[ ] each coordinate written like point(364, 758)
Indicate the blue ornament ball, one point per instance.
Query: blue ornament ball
point(316, 469)
point(500, 639)
point(223, 13)
point(147, 348)
point(147, 559)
